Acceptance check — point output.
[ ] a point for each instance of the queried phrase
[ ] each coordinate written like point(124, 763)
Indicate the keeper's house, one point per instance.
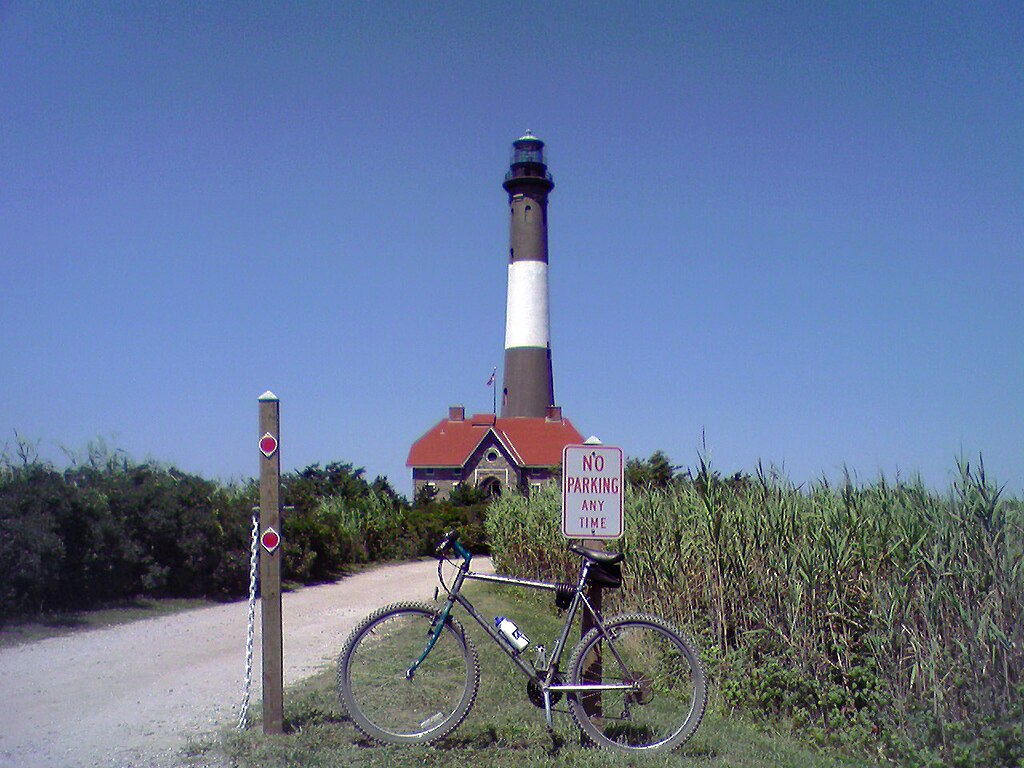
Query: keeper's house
point(491, 452)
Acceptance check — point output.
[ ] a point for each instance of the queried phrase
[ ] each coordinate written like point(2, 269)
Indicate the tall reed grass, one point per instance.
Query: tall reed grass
point(883, 617)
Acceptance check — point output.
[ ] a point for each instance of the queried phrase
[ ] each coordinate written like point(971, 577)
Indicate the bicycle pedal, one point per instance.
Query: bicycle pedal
point(557, 742)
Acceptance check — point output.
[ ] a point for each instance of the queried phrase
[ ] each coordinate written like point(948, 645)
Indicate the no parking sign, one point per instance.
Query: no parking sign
point(592, 505)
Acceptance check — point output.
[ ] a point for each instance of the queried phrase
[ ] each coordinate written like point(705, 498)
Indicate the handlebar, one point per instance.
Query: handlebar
point(446, 542)
point(451, 539)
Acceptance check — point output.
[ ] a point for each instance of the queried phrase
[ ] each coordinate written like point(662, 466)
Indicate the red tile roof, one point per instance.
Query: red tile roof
point(535, 442)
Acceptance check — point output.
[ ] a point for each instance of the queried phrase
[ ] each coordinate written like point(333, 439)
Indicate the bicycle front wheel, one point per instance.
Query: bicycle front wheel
point(667, 691)
point(373, 688)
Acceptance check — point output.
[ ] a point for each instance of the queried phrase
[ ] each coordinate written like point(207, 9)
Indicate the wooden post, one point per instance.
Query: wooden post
point(270, 563)
point(592, 704)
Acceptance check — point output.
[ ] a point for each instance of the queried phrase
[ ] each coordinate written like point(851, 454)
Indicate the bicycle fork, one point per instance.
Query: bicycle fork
point(442, 617)
point(436, 630)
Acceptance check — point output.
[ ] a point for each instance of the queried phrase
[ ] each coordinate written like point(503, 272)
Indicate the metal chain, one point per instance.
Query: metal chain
point(254, 556)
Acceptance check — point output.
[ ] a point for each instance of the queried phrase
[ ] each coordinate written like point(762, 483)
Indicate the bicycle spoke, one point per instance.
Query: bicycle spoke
point(374, 688)
point(668, 691)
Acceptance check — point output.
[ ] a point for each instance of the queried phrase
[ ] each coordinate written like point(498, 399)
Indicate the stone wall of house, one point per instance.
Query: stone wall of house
point(442, 479)
point(491, 463)
point(534, 477)
point(490, 466)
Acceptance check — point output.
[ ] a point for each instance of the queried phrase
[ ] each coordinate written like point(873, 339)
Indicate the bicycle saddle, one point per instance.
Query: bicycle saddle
point(597, 555)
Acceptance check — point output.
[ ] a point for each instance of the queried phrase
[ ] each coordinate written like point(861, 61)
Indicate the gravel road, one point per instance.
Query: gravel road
point(134, 694)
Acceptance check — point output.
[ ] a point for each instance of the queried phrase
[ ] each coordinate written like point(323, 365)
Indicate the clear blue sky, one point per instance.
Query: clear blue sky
point(796, 228)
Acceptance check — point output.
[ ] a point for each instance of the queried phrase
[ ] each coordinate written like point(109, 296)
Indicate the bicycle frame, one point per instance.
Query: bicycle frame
point(545, 683)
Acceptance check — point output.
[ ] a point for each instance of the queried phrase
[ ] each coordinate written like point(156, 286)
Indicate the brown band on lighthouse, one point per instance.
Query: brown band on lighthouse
point(528, 394)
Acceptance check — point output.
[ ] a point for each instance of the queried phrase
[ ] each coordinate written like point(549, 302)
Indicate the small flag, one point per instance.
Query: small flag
point(490, 381)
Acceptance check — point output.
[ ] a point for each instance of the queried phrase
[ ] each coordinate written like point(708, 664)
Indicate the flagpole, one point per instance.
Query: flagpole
point(494, 391)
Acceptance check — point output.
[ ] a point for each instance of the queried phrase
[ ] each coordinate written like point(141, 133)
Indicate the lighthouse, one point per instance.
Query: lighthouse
point(521, 449)
point(528, 382)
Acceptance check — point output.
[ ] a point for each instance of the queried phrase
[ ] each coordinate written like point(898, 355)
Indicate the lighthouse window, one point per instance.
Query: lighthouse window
point(526, 213)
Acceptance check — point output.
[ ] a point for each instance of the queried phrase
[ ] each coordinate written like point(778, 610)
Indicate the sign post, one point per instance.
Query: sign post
point(592, 508)
point(270, 563)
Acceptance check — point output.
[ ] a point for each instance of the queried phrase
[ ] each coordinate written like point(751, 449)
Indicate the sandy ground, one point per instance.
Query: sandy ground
point(135, 694)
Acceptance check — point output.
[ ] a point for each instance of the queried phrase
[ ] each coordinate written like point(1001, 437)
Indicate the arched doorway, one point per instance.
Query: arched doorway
point(491, 486)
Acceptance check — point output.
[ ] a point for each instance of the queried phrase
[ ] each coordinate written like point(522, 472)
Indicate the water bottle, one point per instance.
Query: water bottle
point(511, 632)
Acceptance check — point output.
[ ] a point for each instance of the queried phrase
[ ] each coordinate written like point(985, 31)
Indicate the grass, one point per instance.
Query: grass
point(503, 729)
point(58, 624)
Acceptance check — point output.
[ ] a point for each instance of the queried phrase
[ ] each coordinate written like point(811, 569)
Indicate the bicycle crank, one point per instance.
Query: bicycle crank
point(536, 695)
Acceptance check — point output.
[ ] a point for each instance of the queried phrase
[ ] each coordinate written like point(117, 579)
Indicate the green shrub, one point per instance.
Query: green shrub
point(108, 528)
point(32, 500)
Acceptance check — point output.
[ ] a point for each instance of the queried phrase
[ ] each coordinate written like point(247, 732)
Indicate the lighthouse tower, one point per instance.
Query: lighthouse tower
point(528, 382)
point(522, 448)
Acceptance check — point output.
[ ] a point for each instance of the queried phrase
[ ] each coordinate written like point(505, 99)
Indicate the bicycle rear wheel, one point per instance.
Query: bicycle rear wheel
point(372, 685)
point(668, 688)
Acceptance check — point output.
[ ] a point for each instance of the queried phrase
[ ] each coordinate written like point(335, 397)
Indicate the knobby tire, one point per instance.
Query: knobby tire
point(671, 687)
point(387, 707)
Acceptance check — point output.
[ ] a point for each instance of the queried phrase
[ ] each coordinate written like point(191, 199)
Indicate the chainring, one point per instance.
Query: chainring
point(537, 695)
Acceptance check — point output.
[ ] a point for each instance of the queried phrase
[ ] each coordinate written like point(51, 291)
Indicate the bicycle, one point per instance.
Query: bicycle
point(408, 673)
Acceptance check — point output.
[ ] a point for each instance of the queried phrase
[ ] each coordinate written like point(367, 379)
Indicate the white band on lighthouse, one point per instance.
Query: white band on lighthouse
point(526, 314)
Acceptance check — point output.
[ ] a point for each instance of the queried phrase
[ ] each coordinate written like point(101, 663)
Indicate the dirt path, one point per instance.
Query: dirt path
point(133, 695)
